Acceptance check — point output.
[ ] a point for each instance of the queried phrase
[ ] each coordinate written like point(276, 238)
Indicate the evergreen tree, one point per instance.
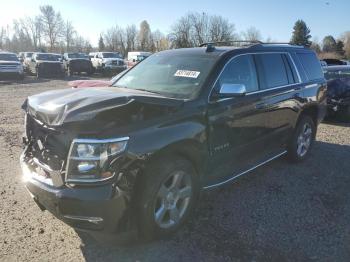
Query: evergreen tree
point(301, 34)
point(101, 44)
point(340, 47)
point(329, 44)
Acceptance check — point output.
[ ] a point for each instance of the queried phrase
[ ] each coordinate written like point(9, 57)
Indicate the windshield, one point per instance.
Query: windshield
point(336, 73)
point(48, 57)
point(76, 55)
point(111, 55)
point(172, 75)
point(29, 54)
point(141, 57)
point(8, 57)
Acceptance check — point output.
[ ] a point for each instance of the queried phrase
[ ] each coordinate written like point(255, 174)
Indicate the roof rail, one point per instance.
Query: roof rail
point(211, 45)
point(248, 43)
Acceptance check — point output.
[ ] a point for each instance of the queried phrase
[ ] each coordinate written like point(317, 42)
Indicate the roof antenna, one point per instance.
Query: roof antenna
point(210, 47)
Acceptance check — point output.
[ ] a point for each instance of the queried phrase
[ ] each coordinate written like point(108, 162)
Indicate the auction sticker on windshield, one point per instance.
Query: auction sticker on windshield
point(187, 73)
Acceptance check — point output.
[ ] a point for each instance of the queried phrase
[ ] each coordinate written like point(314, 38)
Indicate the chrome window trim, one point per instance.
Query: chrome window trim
point(295, 68)
point(245, 172)
point(258, 91)
point(89, 141)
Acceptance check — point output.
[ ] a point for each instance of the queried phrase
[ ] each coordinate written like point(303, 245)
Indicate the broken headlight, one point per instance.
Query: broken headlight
point(89, 160)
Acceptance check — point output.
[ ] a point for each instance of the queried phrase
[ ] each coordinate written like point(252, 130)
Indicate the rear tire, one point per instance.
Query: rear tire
point(302, 139)
point(69, 72)
point(167, 194)
point(38, 74)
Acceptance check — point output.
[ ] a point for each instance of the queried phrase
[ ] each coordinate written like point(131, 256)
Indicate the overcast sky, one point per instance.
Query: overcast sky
point(274, 18)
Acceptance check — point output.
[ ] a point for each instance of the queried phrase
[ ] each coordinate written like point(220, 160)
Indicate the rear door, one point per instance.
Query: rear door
point(281, 96)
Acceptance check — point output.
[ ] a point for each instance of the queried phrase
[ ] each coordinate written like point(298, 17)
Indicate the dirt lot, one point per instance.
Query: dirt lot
point(280, 212)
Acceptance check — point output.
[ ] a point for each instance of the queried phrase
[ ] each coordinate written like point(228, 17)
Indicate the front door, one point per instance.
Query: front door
point(237, 125)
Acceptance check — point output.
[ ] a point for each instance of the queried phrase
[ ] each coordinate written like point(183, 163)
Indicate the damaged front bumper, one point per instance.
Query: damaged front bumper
point(102, 209)
point(335, 105)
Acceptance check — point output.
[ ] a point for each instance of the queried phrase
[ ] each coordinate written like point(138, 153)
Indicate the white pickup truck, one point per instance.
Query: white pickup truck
point(107, 62)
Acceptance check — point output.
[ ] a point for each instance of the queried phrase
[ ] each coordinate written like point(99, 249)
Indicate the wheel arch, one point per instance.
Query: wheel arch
point(311, 111)
point(189, 149)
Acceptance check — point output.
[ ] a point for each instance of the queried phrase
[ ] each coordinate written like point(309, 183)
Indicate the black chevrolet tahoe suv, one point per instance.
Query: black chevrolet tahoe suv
point(135, 156)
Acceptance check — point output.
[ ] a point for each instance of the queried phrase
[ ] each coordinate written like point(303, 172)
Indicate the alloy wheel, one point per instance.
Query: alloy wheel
point(173, 199)
point(304, 140)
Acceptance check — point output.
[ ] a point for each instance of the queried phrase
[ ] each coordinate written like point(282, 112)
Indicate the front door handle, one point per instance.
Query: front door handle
point(261, 106)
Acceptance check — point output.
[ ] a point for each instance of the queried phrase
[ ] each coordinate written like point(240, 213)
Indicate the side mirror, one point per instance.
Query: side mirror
point(232, 90)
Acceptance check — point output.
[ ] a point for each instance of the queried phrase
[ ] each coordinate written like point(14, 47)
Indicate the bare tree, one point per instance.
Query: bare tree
point(80, 44)
point(160, 42)
point(52, 25)
point(252, 34)
point(181, 33)
point(69, 33)
point(2, 37)
point(32, 27)
point(194, 29)
point(115, 39)
point(131, 37)
point(21, 38)
point(221, 29)
point(346, 39)
point(200, 28)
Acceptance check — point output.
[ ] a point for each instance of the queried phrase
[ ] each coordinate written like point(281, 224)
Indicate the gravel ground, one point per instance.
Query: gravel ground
point(280, 212)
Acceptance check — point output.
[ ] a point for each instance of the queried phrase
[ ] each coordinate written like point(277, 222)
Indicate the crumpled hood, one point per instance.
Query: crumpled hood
point(70, 105)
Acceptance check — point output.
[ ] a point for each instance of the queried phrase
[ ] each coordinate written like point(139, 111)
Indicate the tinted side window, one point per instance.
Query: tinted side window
point(273, 70)
point(240, 70)
point(311, 65)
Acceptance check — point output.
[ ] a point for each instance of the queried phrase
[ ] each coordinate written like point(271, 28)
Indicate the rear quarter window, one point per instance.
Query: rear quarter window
point(311, 65)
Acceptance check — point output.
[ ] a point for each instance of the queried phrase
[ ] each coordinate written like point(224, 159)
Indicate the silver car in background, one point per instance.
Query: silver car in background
point(10, 66)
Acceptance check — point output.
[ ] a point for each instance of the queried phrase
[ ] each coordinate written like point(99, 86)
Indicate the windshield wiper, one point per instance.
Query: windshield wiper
point(145, 90)
point(139, 89)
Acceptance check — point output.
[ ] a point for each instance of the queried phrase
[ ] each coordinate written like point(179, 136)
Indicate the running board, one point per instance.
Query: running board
point(245, 172)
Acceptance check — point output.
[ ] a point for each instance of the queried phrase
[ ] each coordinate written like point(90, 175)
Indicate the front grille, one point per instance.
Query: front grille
point(48, 68)
point(8, 66)
point(47, 145)
point(118, 63)
point(80, 64)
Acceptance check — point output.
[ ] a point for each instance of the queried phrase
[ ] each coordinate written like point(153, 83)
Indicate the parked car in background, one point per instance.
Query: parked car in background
point(108, 62)
point(338, 94)
point(46, 64)
point(21, 56)
point(77, 63)
point(24, 58)
point(136, 57)
point(332, 61)
point(10, 66)
point(136, 155)
point(323, 63)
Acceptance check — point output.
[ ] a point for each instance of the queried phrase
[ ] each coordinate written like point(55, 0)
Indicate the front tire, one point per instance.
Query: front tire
point(302, 140)
point(168, 193)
